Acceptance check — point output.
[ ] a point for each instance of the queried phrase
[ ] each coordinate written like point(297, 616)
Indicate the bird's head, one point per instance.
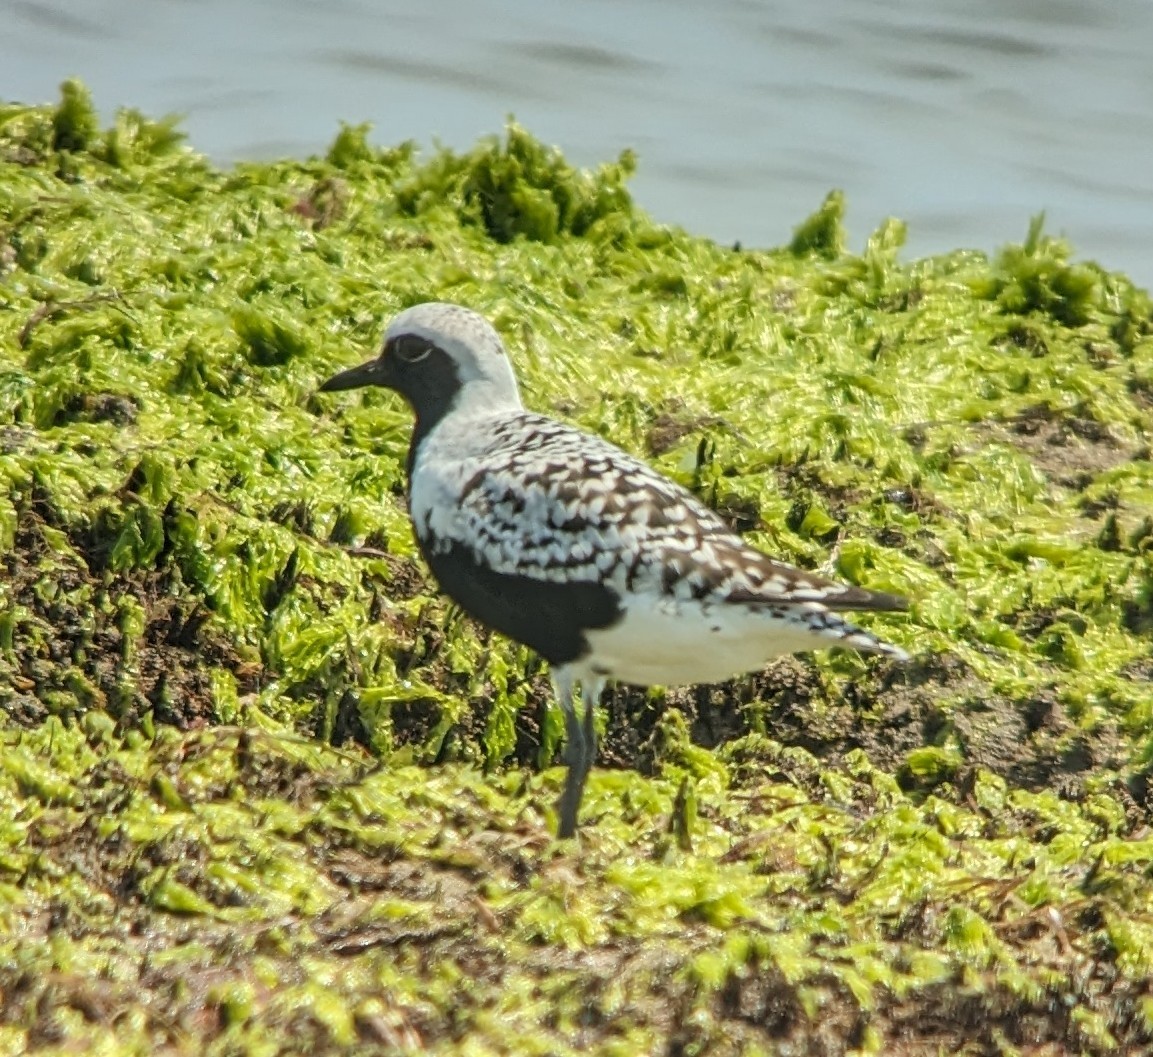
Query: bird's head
point(439, 357)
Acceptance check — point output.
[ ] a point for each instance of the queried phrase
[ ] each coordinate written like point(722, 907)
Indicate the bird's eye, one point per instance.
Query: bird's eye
point(411, 349)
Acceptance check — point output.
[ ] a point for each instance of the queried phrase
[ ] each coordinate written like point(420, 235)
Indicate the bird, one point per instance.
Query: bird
point(563, 542)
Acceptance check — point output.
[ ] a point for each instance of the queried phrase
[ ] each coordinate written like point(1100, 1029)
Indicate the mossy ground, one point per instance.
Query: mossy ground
point(264, 792)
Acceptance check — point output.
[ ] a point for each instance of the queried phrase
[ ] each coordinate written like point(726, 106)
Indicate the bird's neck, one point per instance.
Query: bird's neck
point(463, 410)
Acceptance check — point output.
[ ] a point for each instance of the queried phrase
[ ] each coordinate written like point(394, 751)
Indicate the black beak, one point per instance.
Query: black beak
point(375, 372)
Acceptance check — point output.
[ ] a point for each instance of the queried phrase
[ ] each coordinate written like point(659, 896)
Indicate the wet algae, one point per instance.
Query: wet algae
point(264, 792)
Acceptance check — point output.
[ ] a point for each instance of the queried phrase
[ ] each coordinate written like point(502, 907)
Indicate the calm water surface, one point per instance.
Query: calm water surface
point(963, 117)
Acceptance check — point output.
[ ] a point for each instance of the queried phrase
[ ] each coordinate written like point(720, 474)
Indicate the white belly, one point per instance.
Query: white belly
point(673, 643)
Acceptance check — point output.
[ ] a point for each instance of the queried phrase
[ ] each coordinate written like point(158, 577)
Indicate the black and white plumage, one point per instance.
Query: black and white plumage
point(562, 541)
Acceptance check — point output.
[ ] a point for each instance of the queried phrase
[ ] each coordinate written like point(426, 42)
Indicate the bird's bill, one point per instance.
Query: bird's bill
point(375, 372)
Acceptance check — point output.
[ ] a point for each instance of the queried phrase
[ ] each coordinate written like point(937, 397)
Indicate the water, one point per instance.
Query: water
point(963, 117)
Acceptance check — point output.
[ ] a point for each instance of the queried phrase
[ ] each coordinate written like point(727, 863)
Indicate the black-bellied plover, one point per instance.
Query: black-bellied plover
point(565, 543)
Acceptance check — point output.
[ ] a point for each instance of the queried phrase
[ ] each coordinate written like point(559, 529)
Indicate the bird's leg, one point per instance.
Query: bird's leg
point(574, 749)
point(574, 756)
point(590, 696)
point(580, 754)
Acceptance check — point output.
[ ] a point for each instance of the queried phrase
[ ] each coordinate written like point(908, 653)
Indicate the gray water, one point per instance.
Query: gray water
point(963, 117)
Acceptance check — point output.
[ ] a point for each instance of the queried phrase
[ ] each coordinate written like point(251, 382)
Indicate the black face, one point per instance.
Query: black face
point(422, 372)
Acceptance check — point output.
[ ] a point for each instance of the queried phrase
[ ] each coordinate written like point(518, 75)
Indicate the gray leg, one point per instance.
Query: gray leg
point(569, 804)
point(590, 697)
point(581, 750)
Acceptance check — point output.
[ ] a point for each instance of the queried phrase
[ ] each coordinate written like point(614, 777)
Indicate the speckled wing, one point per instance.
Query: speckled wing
point(553, 504)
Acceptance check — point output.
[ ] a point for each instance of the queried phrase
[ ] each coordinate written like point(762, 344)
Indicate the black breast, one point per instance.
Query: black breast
point(550, 617)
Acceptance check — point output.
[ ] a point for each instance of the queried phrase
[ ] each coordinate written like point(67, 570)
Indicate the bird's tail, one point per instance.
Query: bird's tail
point(866, 641)
point(835, 630)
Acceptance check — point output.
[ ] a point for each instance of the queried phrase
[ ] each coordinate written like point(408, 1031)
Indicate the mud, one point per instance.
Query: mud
point(132, 644)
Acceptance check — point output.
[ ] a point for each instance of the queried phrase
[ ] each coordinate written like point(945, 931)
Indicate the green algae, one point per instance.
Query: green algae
point(211, 583)
point(316, 886)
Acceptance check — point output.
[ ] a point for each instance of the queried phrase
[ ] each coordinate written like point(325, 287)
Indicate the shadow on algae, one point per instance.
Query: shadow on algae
point(265, 792)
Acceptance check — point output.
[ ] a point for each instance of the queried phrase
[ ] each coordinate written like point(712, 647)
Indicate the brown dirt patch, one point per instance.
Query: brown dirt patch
point(1069, 449)
point(887, 713)
point(72, 650)
point(672, 424)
